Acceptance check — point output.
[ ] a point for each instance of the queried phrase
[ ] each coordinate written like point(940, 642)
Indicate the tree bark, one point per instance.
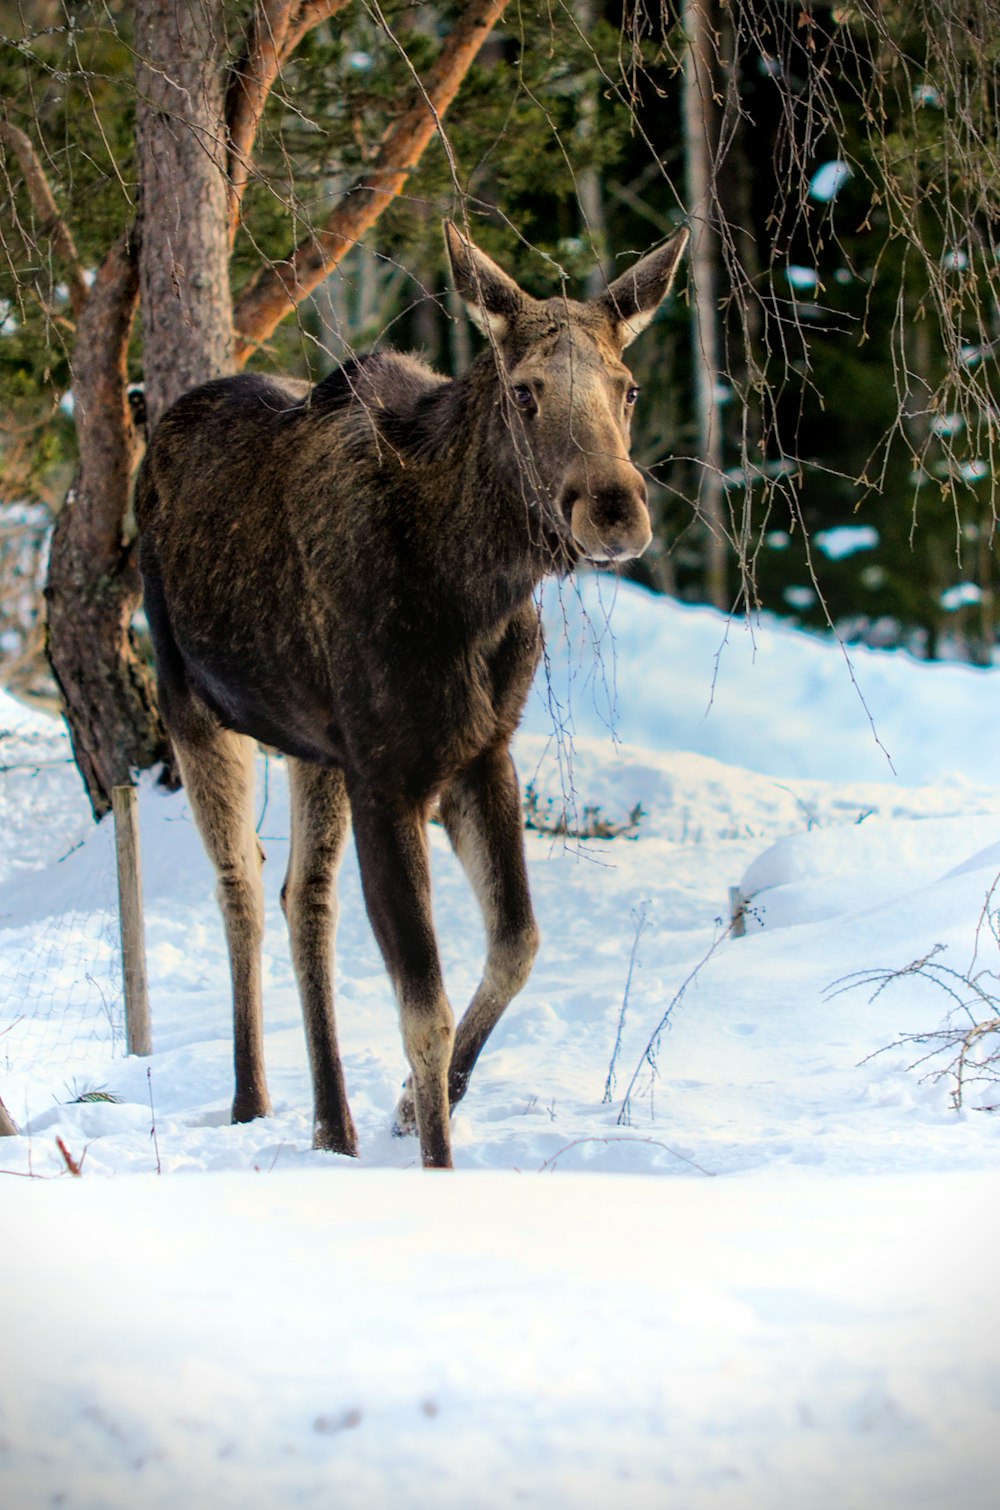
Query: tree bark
point(93, 587)
point(741, 330)
point(182, 158)
point(699, 153)
point(93, 584)
point(589, 190)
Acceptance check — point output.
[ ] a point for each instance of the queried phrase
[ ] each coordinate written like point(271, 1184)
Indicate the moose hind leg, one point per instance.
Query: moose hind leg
point(320, 821)
point(218, 770)
point(481, 812)
point(395, 873)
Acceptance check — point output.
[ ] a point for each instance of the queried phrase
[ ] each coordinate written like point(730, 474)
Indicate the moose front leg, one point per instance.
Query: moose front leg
point(481, 812)
point(395, 874)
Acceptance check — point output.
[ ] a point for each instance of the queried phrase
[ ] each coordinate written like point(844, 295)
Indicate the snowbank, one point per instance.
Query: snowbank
point(665, 675)
point(798, 1310)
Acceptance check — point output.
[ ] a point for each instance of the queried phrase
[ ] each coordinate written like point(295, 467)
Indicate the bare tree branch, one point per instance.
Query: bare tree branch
point(279, 289)
point(306, 15)
point(54, 226)
point(278, 28)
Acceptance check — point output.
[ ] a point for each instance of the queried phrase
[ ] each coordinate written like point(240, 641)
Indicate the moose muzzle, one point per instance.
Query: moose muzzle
point(607, 511)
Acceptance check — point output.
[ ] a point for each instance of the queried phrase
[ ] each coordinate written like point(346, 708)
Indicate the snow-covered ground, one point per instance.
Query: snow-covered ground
point(712, 1241)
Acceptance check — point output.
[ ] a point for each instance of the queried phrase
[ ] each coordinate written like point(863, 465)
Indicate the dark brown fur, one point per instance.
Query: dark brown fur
point(347, 573)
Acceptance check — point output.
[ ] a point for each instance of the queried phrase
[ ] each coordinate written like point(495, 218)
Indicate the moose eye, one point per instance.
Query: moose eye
point(524, 398)
point(631, 395)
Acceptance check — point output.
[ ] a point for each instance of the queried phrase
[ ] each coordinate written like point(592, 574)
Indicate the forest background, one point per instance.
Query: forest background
point(817, 420)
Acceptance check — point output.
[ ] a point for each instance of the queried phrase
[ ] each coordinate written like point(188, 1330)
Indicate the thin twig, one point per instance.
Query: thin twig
point(47, 210)
point(639, 914)
point(74, 1166)
point(648, 1055)
point(152, 1113)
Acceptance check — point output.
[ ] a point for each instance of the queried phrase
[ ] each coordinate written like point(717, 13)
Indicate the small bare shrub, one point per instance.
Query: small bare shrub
point(965, 1048)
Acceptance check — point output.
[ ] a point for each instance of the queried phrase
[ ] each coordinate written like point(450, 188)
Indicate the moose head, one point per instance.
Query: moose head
point(568, 394)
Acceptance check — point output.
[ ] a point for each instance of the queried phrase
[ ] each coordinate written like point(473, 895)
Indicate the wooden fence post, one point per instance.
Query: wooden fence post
point(737, 913)
point(138, 1035)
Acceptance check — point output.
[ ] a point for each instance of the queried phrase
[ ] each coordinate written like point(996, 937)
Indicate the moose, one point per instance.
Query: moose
point(347, 573)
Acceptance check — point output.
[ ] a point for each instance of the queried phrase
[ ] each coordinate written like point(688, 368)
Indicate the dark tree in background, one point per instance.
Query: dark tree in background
point(873, 136)
point(819, 406)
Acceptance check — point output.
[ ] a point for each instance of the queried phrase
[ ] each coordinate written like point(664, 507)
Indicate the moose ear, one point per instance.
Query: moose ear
point(491, 298)
point(633, 299)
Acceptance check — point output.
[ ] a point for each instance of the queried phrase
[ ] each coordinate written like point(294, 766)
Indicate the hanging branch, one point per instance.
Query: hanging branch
point(279, 289)
point(278, 28)
point(43, 200)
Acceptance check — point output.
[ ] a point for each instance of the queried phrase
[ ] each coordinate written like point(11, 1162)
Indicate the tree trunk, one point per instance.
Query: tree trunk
point(93, 587)
point(589, 191)
point(182, 269)
point(187, 209)
point(92, 590)
point(187, 313)
point(93, 584)
point(699, 154)
point(742, 332)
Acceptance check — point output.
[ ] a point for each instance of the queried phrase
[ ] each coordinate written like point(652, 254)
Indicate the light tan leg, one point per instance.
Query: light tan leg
point(320, 821)
point(218, 770)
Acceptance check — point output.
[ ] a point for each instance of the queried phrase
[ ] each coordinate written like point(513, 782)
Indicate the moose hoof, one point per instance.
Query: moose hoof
point(404, 1118)
point(333, 1140)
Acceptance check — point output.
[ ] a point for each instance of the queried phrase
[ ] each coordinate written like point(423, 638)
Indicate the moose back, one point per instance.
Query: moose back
point(347, 573)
